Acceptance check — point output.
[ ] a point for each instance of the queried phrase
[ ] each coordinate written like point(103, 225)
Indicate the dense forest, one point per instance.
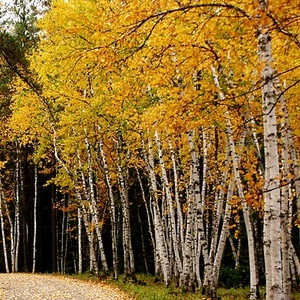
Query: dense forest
point(153, 137)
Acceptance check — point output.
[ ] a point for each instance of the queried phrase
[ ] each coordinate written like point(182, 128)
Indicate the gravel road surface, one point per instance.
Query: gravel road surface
point(22, 286)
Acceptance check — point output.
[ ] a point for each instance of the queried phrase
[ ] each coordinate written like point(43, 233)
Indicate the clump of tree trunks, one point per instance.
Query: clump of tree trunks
point(152, 137)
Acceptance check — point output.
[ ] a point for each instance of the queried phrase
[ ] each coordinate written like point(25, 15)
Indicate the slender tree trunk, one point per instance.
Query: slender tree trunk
point(173, 227)
point(34, 248)
point(246, 213)
point(54, 231)
point(226, 221)
point(247, 219)
point(180, 227)
point(197, 245)
point(272, 197)
point(66, 242)
point(94, 209)
point(160, 237)
point(79, 218)
point(148, 214)
point(295, 258)
point(248, 224)
point(286, 216)
point(189, 238)
point(16, 230)
point(75, 263)
point(85, 216)
point(12, 239)
point(3, 228)
point(224, 233)
point(209, 287)
point(129, 268)
point(90, 235)
point(11, 232)
point(290, 170)
point(62, 241)
point(112, 210)
point(57, 244)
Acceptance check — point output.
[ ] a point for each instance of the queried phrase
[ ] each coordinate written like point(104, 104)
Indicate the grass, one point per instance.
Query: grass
point(148, 289)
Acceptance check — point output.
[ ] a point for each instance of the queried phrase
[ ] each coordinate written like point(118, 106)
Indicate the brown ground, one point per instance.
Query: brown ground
point(21, 286)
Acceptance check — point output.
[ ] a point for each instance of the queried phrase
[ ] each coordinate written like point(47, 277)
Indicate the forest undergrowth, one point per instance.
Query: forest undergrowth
point(146, 287)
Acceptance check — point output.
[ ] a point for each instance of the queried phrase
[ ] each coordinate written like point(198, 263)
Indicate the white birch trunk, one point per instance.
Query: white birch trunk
point(225, 226)
point(250, 235)
point(189, 238)
point(272, 197)
point(290, 169)
point(85, 216)
point(90, 236)
point(224, 233)
point(62, 244)
point(286, 192)
point(148, 213)
point(295, 258)
point(170, 209)
point(12, 239)
point(208, 284)
point(112, 210)
point(180, 227)
point(3, 228)
point(17, 212)
point(129, 268)
point(150, 209)
point(160, 238)
point(94, 210)
point(217, 213)
point(197, 245)
point(79, 221)
point(246, 213)
point(66, 242)
point(131, 254)
point(216, 216)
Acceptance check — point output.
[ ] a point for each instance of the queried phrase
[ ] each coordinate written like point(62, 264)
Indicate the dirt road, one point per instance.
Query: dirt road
point(23, 286)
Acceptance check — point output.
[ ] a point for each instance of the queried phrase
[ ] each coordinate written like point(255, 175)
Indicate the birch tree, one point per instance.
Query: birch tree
point(272, 197)
point(131, 97)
